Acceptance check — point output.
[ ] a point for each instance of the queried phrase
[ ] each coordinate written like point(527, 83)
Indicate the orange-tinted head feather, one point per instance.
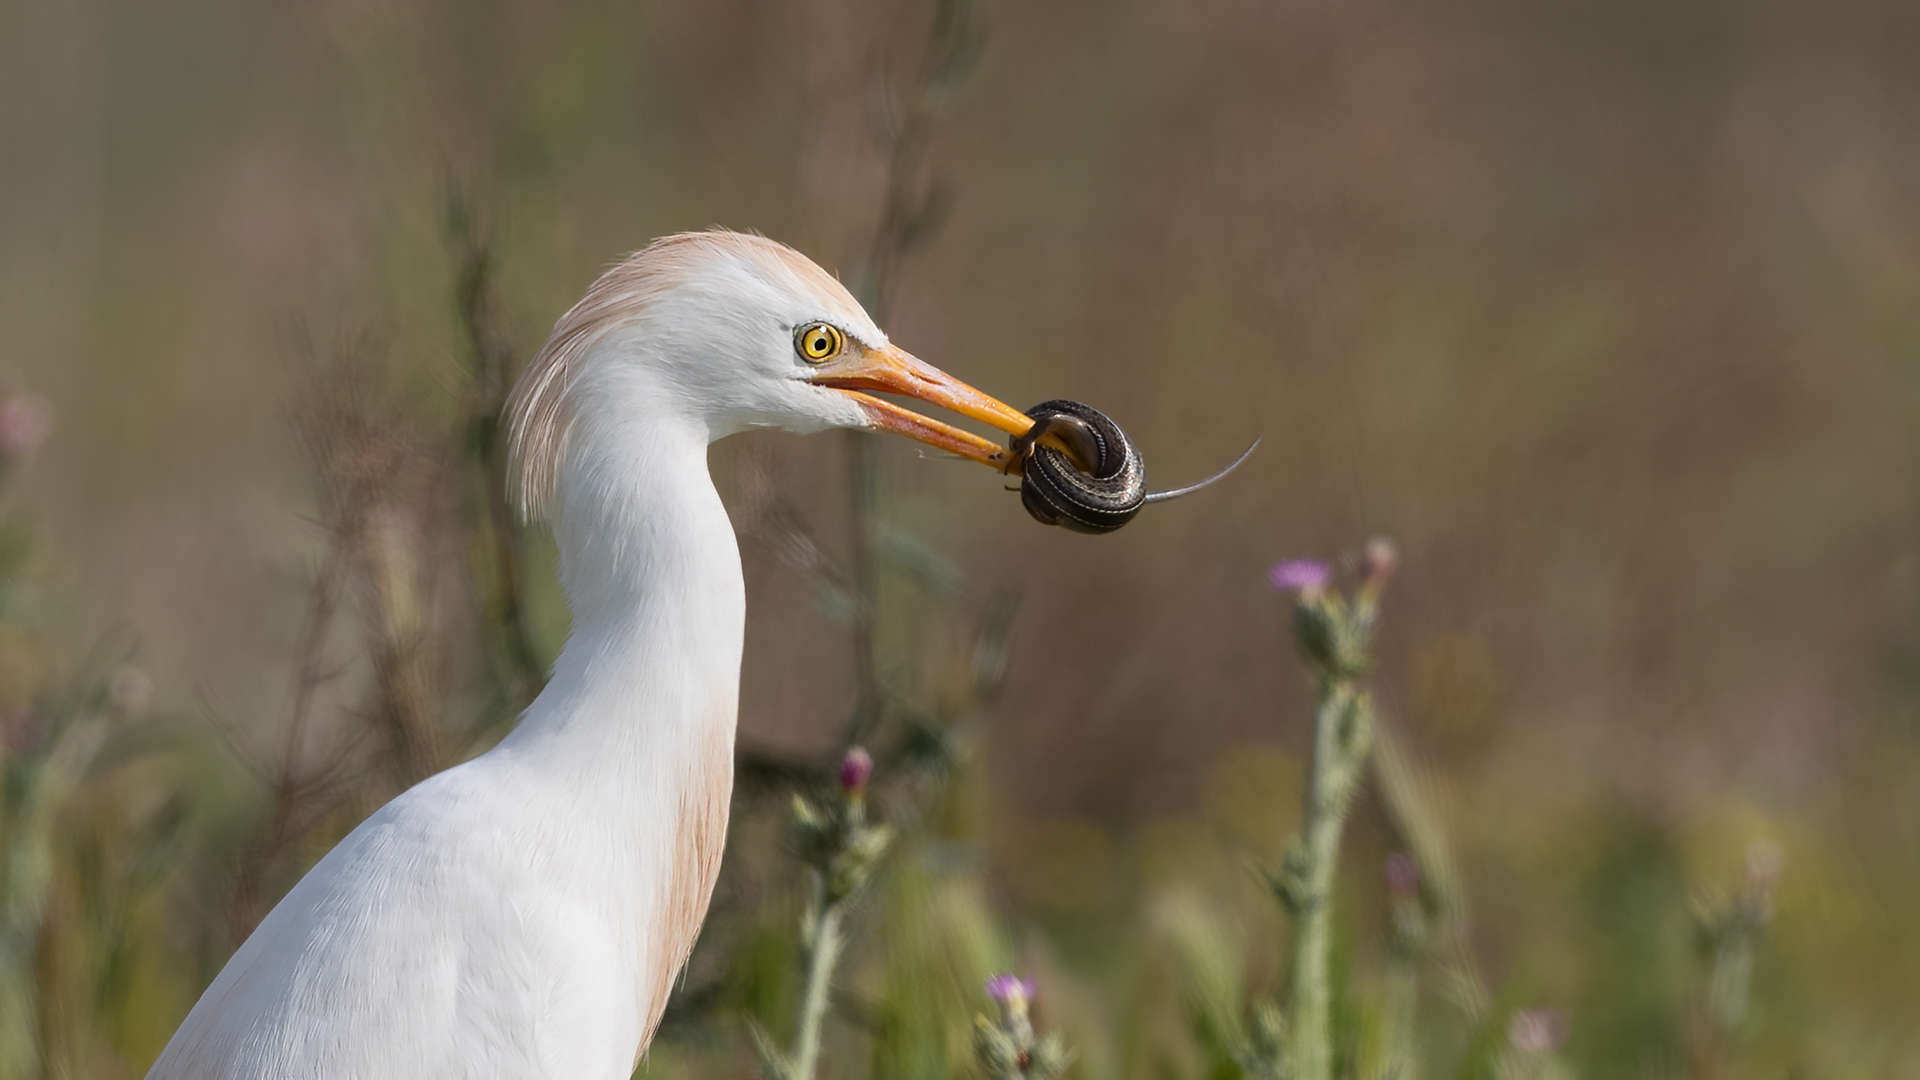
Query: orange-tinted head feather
point(539, 412)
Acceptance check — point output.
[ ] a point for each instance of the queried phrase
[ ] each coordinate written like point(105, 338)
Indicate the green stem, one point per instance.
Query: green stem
point(823, 953)
point(1732, 972)
point(1402, 998)
point(1342, 734)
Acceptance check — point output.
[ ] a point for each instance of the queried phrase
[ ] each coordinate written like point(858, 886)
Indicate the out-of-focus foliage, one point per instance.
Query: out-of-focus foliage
point(1605, 312)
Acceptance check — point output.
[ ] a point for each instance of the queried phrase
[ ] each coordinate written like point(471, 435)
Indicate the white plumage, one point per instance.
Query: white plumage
point(523, 915)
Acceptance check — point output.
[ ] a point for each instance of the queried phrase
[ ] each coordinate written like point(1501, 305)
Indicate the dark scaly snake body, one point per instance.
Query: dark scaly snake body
point(1080, 471)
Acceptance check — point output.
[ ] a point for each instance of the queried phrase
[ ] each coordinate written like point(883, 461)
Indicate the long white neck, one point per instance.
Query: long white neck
point(638, 718)
point(651, 571)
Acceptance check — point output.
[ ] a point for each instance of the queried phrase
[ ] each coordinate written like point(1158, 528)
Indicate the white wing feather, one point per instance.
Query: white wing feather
point(417, 948)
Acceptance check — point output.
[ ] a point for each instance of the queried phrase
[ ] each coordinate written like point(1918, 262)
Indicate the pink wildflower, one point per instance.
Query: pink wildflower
point(1006, 989)
point(1302, 577)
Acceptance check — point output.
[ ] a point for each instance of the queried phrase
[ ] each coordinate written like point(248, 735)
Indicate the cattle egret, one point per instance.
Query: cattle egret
point(523, 915)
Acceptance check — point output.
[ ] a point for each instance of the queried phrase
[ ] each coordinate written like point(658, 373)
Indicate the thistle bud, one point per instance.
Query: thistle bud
point(855, 768)
point(1014, 994)
point(1011, 991)
point(1377, 561)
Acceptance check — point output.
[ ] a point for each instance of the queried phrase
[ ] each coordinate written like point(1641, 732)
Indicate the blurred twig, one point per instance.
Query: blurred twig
point(913, 208)
point(490, 367)
point(296, 796)
point(383, 495)
point(380, 506)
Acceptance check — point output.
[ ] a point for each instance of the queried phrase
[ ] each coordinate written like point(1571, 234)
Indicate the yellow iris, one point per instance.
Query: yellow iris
point(820, 342)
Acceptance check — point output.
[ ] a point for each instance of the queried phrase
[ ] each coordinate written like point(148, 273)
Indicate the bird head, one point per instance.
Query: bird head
point(729, 331)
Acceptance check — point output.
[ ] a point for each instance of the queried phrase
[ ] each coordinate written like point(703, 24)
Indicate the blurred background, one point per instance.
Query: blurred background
point(1607, 313)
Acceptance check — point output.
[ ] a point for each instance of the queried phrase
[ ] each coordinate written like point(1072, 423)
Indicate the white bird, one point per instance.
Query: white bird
point(524, 915)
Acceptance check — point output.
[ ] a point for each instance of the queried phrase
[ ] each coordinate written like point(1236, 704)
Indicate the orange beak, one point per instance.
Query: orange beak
point(893, 371)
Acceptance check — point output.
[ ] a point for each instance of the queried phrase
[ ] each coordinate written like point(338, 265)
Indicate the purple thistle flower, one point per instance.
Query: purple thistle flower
point(1302, 577)
point(855, 768)
point(1007, 989)
point(1403, 875)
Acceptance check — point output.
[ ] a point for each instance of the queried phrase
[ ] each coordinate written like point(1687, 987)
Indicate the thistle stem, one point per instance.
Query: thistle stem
point(1334, 634)
point(842, 850)
point(1342, 734)
point(1405, 948)
point(823, 953)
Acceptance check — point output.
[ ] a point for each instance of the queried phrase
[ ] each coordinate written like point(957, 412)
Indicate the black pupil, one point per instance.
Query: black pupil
point(819, 344)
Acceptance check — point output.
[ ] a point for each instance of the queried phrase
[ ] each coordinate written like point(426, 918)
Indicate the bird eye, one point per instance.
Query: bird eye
point(820, 342)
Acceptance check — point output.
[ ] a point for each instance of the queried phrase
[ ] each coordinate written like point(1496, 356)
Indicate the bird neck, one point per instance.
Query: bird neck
point(636, 725)
point(651, 570)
